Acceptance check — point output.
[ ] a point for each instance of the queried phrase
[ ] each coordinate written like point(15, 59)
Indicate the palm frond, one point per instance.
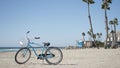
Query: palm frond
point(116, 21)
point(101, 34)
point(102, 6)
point(111, 22)
point(112, 31)
point(83, 34)
point(108, 8)
point(91, 1)
point(89, 33)
point(102, 0)
point(98, 34)
point(94, 36)
point(86, 1)
point(109, 1)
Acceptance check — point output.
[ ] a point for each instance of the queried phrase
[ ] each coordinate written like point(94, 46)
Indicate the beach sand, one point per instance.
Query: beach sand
point(73, 58)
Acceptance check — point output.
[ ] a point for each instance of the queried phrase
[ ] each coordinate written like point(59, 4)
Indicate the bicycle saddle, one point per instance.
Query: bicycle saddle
point(37, 37)
point(46, 43)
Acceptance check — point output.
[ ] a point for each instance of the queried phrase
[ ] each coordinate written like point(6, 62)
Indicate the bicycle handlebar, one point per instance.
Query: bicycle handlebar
point(27, 32)
point(28, 37)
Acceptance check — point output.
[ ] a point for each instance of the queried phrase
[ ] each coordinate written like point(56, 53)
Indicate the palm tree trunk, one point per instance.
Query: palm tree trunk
point(83, 39)
point(112, 40)
point(91, 24)
point(106, 25)
point(115, 33)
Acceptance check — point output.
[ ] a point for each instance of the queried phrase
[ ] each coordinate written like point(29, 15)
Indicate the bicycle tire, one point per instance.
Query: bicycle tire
point(23, 52)
point(58, 55)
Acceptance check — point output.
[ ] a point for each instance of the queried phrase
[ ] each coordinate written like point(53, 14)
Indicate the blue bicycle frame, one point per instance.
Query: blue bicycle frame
point(43, 48)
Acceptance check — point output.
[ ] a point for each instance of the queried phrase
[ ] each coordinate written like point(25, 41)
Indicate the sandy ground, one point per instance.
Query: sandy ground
point(73, 58)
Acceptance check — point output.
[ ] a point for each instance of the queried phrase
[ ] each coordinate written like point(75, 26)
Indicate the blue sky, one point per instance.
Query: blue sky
point(60, 22)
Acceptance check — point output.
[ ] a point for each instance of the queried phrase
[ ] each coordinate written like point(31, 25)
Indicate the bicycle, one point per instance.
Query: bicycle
point(52, 55)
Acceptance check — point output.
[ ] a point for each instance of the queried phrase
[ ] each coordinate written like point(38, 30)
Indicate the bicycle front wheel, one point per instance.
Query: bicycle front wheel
point(22, 55)
point(53, 55)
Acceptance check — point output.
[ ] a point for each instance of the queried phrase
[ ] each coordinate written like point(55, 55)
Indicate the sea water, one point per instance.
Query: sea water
point(9, 49)
point(15, 49)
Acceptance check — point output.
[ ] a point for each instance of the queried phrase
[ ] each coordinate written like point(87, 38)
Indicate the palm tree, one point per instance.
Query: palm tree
point(83, 34)
point(90, 21)
point(94, 36)
point(106, 7)
point(112, 42)
point(99, 36)
point(111, 23)
point(98, 40)
point(89, 33)
point(112, 32)
point(115, 22)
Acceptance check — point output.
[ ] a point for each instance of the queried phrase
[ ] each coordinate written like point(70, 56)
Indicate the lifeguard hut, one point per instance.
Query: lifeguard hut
point(79, 43)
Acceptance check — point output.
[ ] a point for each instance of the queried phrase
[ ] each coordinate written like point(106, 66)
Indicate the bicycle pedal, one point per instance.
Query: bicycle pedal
point(41, 56)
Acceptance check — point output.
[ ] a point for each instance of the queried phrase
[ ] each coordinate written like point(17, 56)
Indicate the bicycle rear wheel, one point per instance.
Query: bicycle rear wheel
point(53, 55)
point(22, 55)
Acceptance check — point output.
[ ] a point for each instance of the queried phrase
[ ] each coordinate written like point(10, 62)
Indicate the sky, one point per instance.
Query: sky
point(60, 22)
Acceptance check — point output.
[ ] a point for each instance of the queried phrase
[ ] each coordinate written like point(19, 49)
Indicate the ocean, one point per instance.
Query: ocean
point(9, 49)
point(14, 49)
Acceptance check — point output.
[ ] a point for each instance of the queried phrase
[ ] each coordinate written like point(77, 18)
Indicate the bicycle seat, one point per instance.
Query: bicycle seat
point(46, 43)
point(37, 37)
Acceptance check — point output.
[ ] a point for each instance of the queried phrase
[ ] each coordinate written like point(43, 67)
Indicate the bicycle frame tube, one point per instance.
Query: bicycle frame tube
point(42, 50)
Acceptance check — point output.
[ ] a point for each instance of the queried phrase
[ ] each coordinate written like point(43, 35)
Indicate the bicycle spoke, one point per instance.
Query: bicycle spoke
point(23, 55)
point(56, 56)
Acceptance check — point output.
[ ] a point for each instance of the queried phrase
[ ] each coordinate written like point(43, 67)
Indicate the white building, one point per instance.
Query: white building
point(117, 35)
